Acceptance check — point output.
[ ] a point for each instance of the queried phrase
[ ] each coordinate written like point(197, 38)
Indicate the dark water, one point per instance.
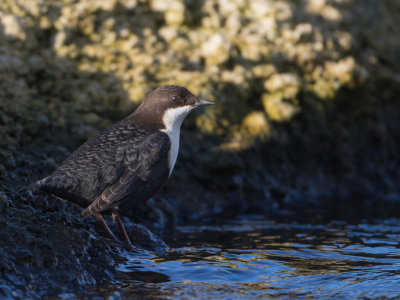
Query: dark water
point(254, 258)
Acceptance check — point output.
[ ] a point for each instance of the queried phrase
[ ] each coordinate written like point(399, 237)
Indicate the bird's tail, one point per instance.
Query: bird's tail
point(34, 187)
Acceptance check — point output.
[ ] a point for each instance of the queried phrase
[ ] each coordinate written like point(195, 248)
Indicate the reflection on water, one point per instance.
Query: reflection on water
point(252, 257)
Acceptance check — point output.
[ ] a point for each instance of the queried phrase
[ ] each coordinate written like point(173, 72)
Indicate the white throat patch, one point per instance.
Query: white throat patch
point(172, 120)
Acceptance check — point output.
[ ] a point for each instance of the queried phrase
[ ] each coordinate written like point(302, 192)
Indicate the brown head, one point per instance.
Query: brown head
point(166, 107)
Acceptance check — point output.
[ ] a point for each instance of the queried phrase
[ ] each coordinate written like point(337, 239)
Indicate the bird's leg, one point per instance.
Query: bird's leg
point(122, 228)
point(106, 228)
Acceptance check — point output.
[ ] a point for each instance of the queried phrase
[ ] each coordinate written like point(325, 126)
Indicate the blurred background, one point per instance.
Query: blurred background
point(306, 126)
point(307, 92)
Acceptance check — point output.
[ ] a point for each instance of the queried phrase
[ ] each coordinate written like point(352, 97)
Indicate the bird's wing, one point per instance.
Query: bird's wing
point(93, 167)
point(145, 162)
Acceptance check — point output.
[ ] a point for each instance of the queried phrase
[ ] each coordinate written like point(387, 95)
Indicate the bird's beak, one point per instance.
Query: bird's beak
point(202, 102)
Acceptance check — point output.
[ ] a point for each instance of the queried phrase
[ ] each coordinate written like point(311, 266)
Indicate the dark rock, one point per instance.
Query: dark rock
point(307, 120)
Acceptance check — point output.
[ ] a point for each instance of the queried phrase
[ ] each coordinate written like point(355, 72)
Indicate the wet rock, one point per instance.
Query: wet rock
point(306, 92)
point(144, 238)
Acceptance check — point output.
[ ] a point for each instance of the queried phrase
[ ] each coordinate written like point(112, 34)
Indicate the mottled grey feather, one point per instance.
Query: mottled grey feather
point(126, 164)
point(145, 172)
point(115, 154)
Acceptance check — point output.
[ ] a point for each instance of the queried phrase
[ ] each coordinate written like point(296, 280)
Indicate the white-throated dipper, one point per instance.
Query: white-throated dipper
point(129, 162)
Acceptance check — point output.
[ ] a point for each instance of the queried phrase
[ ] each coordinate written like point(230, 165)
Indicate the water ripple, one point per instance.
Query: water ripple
point(255, 258)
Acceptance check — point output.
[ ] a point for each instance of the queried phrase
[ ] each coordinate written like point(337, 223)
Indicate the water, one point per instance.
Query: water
point(255, 258)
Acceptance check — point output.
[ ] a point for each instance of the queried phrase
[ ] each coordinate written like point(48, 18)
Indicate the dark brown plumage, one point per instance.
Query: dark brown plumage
point(127, 163)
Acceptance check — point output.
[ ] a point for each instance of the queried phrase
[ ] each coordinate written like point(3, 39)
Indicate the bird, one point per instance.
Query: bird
point(123, 166)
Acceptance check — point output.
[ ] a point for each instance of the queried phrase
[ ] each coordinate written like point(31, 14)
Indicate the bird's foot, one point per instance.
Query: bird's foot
point(130, 247)
point(122, 244)
point(127, 241)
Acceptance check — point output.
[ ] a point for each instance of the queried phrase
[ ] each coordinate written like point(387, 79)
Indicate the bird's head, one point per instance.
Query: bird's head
point(168, 105)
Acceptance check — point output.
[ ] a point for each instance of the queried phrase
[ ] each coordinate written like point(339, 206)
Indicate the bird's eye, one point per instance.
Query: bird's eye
point(173, 98)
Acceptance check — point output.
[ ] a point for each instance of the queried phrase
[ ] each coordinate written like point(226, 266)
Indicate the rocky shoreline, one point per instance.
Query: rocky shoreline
point(306, 126)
